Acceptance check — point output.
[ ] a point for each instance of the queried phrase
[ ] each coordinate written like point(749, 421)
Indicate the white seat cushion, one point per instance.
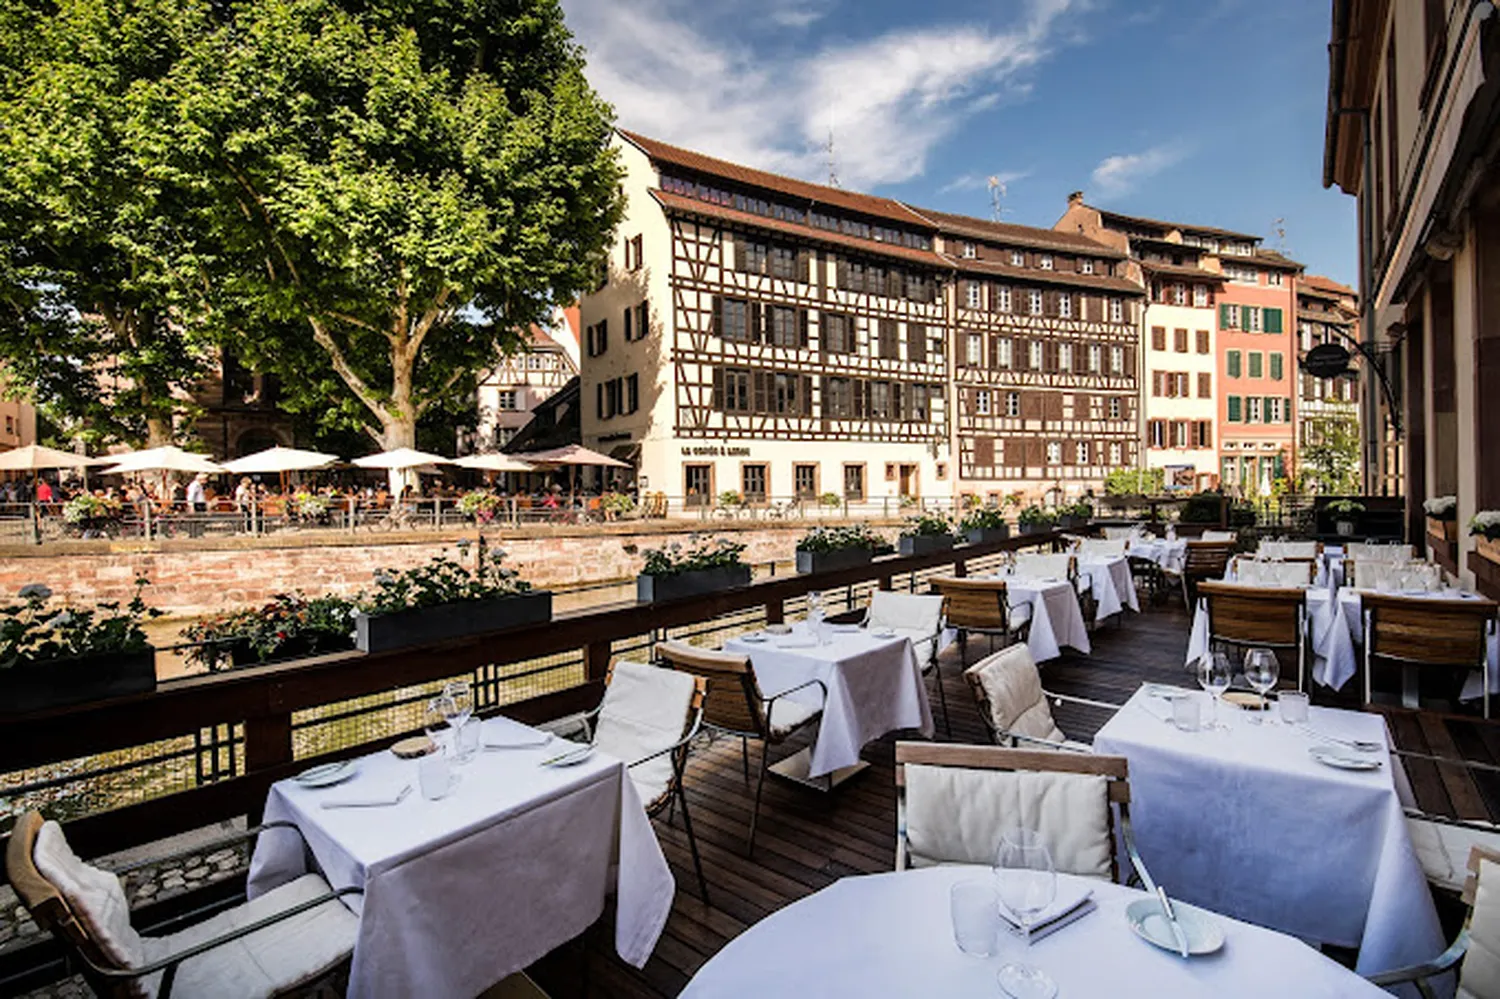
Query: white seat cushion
point(1480, 976)
point(1013, 693)
point(1105, 547)
point(1252, 573)
point(645, 711)
point(1038, 566)
point(787, 715)
point(1217, 536)
point(288, 953)
point(1443, 849)
point(916, 616)
point(1287, 549)
point(957, 815)
point(95, 898)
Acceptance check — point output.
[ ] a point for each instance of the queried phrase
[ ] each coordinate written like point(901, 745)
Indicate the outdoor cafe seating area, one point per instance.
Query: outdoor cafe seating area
point(1074, 763)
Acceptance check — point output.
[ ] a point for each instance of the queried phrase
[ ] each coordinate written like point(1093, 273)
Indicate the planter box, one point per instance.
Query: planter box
point(656, 589)
point(984, 535)
point(1069, 521)
point(1344, 528)
point(1036, 528)
point(1486, 548)
point(1445, 529)
point(924, 544)
point(424, 625)
point(241, 653)
point(60, 682)
point(844, 558)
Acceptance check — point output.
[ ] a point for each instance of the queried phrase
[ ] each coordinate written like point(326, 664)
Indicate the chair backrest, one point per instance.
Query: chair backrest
point(1249, 572)
point(1011, 700)
point(733, 700)
point(956, 802)
point(1427, 631)
point(646, 710)
point(1479, 978)
point(1217, 536)
point(1039, 565)
point(915, 612)
point(1206, 559)
point(1106, 547)
point(978, 604)
point(1366, 552)
point(1122, 533)
point(1290, 549)
point(1253, 615)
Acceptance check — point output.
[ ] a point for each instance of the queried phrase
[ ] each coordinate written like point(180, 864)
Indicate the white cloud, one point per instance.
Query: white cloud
point(888, 99)
point(1120, 173)
point(796, 13)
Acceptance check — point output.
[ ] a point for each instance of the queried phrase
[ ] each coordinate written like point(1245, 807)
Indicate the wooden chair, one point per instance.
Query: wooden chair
point(981, 606)
point(1477, 944)
point(735, 705)
point(1288, 572)
point(1421, 631)
point(649, 721)
point(1013, 703)
point(1202, 560)
point(226, 955)
point(1245, 616)
point(951, 803)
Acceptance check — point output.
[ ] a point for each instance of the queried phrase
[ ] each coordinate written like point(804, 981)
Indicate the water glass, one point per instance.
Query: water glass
point(1293, 707)
point(435, 775)
point(1185, 713)
point(974, 906)
point(437, 720)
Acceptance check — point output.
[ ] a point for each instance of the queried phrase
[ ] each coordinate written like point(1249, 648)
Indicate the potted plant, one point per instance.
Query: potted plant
point(1485, 527)
point(830, 501)
point(617, 505)
point(675, 572)
point(52, 657)
point(983, 524)
point(824, 549)
point(925, 533)
point(1075, 515)
point(93, 516)
point(308, 506)
point(445, 599)
point(1346, 516)
point(480, 504)
point(290, 626)
point(1442, 517)
point(1036, 520)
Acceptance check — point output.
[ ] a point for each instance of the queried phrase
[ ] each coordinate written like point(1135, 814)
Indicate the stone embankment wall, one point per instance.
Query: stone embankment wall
point(208, 576)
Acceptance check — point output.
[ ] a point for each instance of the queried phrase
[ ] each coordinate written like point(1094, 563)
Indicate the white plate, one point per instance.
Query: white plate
point(328, 774)
point(883, 632)
point(754, 636)
point(1344, 759)
point(1166, 692)
point(570, 759)
point(1203, 932)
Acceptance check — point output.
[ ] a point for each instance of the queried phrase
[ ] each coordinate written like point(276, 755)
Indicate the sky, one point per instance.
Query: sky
point(1200, 111)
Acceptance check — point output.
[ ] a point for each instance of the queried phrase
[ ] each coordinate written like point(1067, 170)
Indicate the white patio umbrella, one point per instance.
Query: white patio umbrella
point(495, 463)
point(401, 464)
point(34, 457)
point(280, 459)
point(162, 459)
point(572, 454)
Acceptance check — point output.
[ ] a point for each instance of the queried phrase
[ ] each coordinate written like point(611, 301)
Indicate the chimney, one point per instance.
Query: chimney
point(1075, 199)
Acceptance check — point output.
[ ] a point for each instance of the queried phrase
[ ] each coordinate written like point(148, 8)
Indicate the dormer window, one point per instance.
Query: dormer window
point(1017, 258)
point(1085, 266)
point(1045, 263)
point(969, 253)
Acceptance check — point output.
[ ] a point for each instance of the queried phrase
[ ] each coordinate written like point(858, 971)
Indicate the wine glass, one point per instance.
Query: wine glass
point(1213, 676)
point(815, 614)
point(461, 703)
point(1027, 884)
point(436, 720)
point(1261, 672)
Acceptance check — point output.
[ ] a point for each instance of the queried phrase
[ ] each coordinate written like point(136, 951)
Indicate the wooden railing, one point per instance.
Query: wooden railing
point(256, 705)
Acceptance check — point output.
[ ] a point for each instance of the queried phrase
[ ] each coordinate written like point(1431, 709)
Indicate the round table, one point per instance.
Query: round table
point(891, 935)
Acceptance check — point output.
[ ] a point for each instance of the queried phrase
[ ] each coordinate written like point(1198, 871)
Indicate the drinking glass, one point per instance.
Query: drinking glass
point(435, 775)
point(815, 614)
point(436, 720)
point(460, 705)
point(1213, 676)
point(1185, 713)
point(1027, 884)
point(1261, 672)
point(1293, 704)
point(974, 907)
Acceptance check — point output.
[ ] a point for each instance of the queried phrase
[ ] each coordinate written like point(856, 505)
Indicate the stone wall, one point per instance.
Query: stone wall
point(192, 580)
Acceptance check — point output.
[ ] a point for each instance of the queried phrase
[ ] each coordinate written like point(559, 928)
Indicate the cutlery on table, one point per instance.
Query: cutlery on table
point(1166, 910)
point(1363, 745)
point(570, 754)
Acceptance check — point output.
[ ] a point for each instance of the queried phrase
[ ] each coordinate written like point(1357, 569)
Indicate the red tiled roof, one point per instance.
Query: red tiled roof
point(1326, 284)
point(692, 206)
point(865, 204)
point(1277, 261)
point(1180, 270)
point(1145, 223)
point(1030, 275)
point(1021, 235)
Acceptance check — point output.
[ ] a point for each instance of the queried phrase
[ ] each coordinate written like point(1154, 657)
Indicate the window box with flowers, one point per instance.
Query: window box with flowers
point(1485, 527)
point(1442, 517)
point(1345, 516)
point(677, 573)
point(984, 524)
point(1075, 515)
point(825, 549)
point(479, 504)
point(924, 534)
point(1036, 520)
point(445, 599)
point(73, 655)
point(289, 626)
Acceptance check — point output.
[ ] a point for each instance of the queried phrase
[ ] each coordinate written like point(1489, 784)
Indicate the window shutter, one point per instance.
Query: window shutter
point(984, 452)
point(716, 321)
point(842, 269)
point(857, 392)
point(629, 324)
point(806, 395)
point(802, 327)
point(1232, 363)
point(758, 402)
point(1276, 363)
point(643, 319)
point(599, 399)
point(757, 320)
point(1234, 409)
point(1286, 412)
point(718, 402)
point(1272, 319)
point(1224, 322)
point(804, 265)
point(1244, 317)
point(1158, 338)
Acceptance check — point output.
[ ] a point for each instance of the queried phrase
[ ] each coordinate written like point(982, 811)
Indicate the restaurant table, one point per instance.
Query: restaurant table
point(1056, 615)
point(1110, 580)
point(890, 935)
point(1245, 822)
point(1332, 641)
point(1167, 554)
point(874, 686)
point(463, 891)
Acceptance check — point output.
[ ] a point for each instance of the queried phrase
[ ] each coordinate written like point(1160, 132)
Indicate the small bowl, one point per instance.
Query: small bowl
point(778, 629)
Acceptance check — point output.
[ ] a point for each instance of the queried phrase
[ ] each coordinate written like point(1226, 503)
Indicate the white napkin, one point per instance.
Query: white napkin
point(795, 642)
point(1069, 897)
point(516, 738)
point(369, 799)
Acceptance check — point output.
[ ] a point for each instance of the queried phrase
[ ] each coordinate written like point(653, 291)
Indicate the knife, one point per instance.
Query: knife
point(1166, 910)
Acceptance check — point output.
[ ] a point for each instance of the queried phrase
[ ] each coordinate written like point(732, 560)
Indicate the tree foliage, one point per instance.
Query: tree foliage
point(1330, 461)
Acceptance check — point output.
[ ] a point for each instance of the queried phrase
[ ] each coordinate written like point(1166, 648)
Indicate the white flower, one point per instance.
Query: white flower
point(1440, 506)
point(39, 590)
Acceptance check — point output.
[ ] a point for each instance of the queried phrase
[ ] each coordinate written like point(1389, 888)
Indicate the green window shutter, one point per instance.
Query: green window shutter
point(1276, 367)
point(1224, 316)
point(1265, 409)
point(1232, 363)
point(1257, 364)
point(1234, 409)
point(1273, 321)
point(1286, 410)
point(1244, 317)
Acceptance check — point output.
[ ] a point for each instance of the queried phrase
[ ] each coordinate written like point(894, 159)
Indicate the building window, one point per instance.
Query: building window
point(784, 263)
point(505, 402)
point(1257, 364)
point(597, 336)
point(1045, 261)
point(633, 255)
point(632, 393)
point(1012, 404)
point(1034, 355)
point(1273, 278)
point(1003, 352)
point(1065, 306)
point(1114, 407)
point(1117, 360)
point(753, 482)
point(969, 253)
point(735, 394)
point(1085, 266)
point(1254, 324)
point(854, 482)
point(1158, 338)
point(1034, 302)
point(1054, 452)
point(1203, 433)
point(1116, 310)
point(1114, 453)
point(1179, 294)
point(1096, 358)
point(1004, 299)
point(972, 296)
point(1017, 258)
point(1203, 345)
point(837, 333)
point(1179, 433)
point(1205, 385)
point(982, 402)
point(1065, 356)
point(1156, 433)
point(784, 326)
point(805, 481)
point(1278, 362)
point(734, 320)
point(1232, 409)
point(698, 484)
point(1232, 363)
point(1252, 409)
point(1200, 296)
point(974, 350)
point(1180, 341)
point(750, 257)
point(1083, 452)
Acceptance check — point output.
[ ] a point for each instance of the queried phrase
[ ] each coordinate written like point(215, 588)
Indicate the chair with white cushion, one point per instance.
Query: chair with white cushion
point(1299, 550)
point(277, 944)
point(980, 606)
point(1102, 547)
point(736, 706)
point(919, 617)
point(648, 718)
point(1122, 533)
point(1477, 945)
point(954, 803)
point(1218, 536)
point(1013, 703)
point(1060, 566)
point(1364, 551)
point(1251, 572)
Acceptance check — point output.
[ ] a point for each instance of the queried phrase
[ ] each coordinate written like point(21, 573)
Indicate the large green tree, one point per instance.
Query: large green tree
point(1330, 461)
point(101, 273)
point(397, 190)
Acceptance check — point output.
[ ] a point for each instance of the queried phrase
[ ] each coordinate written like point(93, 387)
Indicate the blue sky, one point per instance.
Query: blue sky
point(1208, 111)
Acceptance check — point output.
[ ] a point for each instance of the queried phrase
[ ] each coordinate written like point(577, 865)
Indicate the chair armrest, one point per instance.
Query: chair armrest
point(1048, 743)
point(1427, 969)
point(1080, 700)
point(792, 690)
point(692, 734)
point(219, 941)
point(217, 844)
point(1451, 761)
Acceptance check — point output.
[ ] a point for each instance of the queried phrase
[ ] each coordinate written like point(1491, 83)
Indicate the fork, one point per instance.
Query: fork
point(1363, 745)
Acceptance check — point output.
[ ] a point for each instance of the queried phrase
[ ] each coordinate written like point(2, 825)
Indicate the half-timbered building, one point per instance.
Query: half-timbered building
point(511, 390)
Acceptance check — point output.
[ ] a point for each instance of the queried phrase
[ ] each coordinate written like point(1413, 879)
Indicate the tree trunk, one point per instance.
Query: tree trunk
point(158, 429)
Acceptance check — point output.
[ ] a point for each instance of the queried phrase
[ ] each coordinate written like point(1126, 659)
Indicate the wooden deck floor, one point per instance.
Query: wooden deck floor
point(808, 840)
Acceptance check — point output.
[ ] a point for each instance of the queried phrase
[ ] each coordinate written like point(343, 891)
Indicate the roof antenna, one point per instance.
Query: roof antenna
point(1278, 226)
point(833, 172)
point(997, 193)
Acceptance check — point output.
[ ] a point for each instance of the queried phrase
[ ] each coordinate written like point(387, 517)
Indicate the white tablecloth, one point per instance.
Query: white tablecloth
point(1246, 823)
point(1332, 645)
point(1167, 554)
point(874, 686)
point(461, 892)
point(1056, 616)
point(890, 936)
point(1109, 576)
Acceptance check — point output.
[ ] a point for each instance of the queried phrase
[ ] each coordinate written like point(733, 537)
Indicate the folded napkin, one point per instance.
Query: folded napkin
point(1072, 902)
point(795, 642)
point(516, 738)
point(368, 799)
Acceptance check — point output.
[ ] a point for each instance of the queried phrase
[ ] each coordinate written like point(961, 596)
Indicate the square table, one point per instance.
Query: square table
point(1056, 616)
point(1247, 823)
point(875, 686)
point(1112, 585)
point(463, 891)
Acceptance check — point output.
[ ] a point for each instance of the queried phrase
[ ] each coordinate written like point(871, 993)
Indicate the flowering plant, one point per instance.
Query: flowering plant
point(927, 525)
point(674, 559)
point(289, 624)
point(1486, 524)
point(443, 580)
point(1037, 515)
point(1346, 506)
point(617, 503)
point(480, 504)
point(1441, 507)
point(309, 504)
point(30, 632)
point(981, 518)
point(837, 539)
point(86, 509)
